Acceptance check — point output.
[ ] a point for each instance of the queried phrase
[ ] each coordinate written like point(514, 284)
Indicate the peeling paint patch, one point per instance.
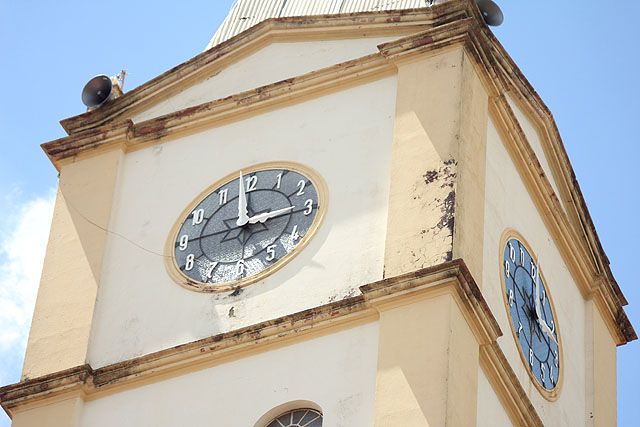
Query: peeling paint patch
point(444, 178)
point(446, 172)
point(438, 201)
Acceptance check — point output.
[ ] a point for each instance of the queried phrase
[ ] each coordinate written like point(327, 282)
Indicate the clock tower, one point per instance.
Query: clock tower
point(339, 214)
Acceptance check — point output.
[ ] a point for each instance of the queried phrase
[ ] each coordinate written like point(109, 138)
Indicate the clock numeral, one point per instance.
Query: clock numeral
point(184, 240)
point(534, 271)
point(252, 181)
point(279, 181)
point(189, 263)
point(294, 233)
point(531, 357)
point(223, 196)
point(556, 358)
point(308, 207)
point(520, 328)
point(198, 216)
point(301, 185)
point(507, 269)
point(209, 271)
point(551, 374)
point(512, 253)
point(271, 252)
point(511, 298)
point(542, 372)
point(240, 268)
point(521, 257)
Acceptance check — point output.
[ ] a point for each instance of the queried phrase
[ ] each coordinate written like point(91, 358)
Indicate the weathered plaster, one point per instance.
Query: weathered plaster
point(423, 167)
point(536, 143)
point(59, 335)
point(471, 158)
point(275, 62)
point(65, 413)
point(491, 412)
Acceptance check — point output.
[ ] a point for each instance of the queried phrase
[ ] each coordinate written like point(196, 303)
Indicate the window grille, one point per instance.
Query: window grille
point(298, 418)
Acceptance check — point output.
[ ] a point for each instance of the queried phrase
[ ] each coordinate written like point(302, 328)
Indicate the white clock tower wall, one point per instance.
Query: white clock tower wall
point(345, 136)
point(491, 412)
point(508, 205)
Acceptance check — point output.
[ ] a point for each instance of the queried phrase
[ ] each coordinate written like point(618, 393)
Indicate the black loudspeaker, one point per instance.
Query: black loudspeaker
point(97, 91)
point(490, 12)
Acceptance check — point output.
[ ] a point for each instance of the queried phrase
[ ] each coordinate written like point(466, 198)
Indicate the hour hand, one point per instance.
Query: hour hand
point(243, 214)
point(268, 215)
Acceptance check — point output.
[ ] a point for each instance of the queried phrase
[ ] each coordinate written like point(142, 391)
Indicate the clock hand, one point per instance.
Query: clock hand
point(547, 331)
point(243, 217)
point(537, 298)
point(268, 215)
point(543, 324)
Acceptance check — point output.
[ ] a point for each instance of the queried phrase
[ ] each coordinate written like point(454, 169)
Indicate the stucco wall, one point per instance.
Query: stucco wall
point(270, 64)
point(491, 413)
point(533, 137)
point(423, 174)
point(345, 136)
point(62, 319)
point(508, 205)
point(336, 372)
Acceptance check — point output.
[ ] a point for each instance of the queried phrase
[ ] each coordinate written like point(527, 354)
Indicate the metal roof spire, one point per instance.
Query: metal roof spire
point(244, 14)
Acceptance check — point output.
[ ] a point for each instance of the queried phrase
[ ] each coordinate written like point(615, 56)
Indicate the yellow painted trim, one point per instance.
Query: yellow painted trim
point(323, 200)
point(550, 395)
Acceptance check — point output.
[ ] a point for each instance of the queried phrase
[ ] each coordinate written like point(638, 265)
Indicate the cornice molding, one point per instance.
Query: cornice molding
point(30, 391)
point(424, 283)
point(190, 120)
point(274, 29)
point(452, 277)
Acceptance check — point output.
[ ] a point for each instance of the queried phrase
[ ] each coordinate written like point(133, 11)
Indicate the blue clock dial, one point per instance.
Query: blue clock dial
point(531, 314)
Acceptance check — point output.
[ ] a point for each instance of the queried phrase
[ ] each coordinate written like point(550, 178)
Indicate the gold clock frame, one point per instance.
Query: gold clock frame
point(550, 395)
point(193, 285)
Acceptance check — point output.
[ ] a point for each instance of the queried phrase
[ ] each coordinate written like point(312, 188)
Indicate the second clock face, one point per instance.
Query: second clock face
point(246, 226)
point(532, 315)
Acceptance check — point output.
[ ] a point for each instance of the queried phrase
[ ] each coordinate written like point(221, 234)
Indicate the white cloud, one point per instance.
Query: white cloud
point(23, 241)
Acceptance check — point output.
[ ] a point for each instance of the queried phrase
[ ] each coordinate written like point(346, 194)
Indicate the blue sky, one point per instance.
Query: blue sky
point(582, 58)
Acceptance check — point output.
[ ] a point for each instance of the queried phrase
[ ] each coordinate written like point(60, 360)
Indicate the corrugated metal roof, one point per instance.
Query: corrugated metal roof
point(246, 13)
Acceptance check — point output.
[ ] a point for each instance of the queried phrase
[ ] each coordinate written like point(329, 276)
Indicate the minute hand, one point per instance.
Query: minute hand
point(243, 218)
point(543, 325)
point(268, 215)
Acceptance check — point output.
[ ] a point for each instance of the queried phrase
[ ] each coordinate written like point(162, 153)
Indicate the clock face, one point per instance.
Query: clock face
point(246, 226)
point(532, 316)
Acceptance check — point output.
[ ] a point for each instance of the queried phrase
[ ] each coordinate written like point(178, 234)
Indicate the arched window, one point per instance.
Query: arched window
point(298, 418)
